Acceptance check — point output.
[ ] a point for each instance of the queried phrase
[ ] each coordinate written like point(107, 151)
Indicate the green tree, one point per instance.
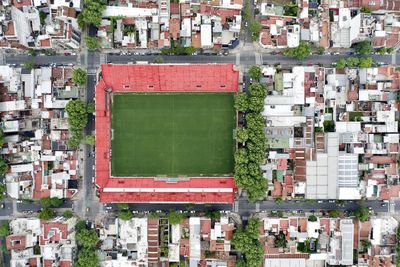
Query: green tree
point(92, 43)
point(77, 114)
point(48, 202)
point(32, 52)
point(125, 215)
point(80, 226)
point(42, 16)
point(3, 189)
point(255, 73)
point(362, 214)
point(258, 90)
point(79, 76)
point(255, 28)
point(279, 200)
point(158, 60)
point(175, 217)
point(241, 135)
point(241, 102)
point(4, 229)
point(90, 107)
point(241, 157)
point(30, 65)
point(213, 214)
point(363, 47)
point(3, 166)
point(90, 140)
point(353, 62)
point(91, 13)
point(340, 63)
point(253, 228)
point(46, 214)
point(280, 240)
point(366, 62)
point(320, 50)
point(87, 238)
point(312, 218)
point(365, 9)
point(334, 213)
point(255, 121)
point(1, 138)
point(87, 257)
point(256, 104)
point(123, 206)
point(291, 10)
point(68, 214)
point(300, 52)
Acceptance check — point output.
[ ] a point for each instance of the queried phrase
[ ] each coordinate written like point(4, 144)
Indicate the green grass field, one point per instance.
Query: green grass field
point(172, 134)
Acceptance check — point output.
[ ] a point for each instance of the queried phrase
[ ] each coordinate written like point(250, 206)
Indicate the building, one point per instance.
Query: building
point(158, 78)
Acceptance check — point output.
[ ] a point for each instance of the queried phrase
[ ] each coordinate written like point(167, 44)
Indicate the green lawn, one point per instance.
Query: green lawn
point(172, 134)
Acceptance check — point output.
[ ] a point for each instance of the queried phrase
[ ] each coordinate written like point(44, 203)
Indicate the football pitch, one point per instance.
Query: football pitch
point(172, 134)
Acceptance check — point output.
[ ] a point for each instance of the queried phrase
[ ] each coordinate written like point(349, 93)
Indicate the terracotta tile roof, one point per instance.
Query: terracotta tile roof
point(174, 28)
point(59, 231)
point(16, 242)
point(205, 226)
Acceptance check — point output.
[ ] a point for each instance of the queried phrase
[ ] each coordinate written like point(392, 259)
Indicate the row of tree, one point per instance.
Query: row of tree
point(91, 13)
point(251, 140)
point(87, 240)
point(247, 242)
point(3, 163)
point(77, 118)
point(363, 62)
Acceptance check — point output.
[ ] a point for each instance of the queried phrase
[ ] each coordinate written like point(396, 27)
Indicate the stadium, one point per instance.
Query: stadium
point(165, 133)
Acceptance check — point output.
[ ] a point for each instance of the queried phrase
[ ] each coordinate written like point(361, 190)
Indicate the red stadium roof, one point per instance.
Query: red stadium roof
point(158, 78)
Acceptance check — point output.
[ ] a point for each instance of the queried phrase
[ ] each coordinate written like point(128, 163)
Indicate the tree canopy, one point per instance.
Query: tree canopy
point(241, 102)
point(246, 241)
point(68, 214)
point(255, 72)
point(92, 43)
point(79, 76)
point(91, 13)
point(87, 238)
point(90, 140)
point(125, 215)
point(87, 257)
point(46, 214)
point(255, 28)
point(77, 119)
point(48, 202)
point(30, 65)
point(175, 217)
point(3, 166)
point(300, 52)
point(4, 229)
point(365, 9)
point(241, 135)
point(312, 218)
point(362, 214)
point(363, 47)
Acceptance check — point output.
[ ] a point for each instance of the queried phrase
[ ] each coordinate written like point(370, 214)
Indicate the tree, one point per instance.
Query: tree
point(353, 62)
point(241, 157)
point(87, 257)
point(68, 214)
point(213, 214)
point(334, 213)
point(366, 9)
point(79, 76)
point(312, 218)
point(320, 50)
point(340, 63)
point(291, 10)
point(253, 228)
point(80, 226)
point(366, 62)
point(1, 138)
point(91, 13)
point(300, 52)
point(32, 52)
point(46, 214)
point(241, 135)
point(279, 200)
point(362, 214)
point(255, 72)
point(77, 113)
point(123, 206)
point(125, 215)
point(90, 140)
point(90, 107)
point(30, 65)
point(175, 217)
point(280, 240)
point(158, 60)
point(4, 229)
point(255, 121)
point(363, 47)
point(87, 238)
point(256, 104)
point(92, 43)
point(255, 28)
point(3, 166)
point(258, 90)
point(3, 189)
point(48, 202)
point(241, 102)
point(329, 126)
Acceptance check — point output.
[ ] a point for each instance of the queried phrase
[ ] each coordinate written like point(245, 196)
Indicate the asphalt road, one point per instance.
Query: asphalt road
point(35, 206)
point(247, 58)
point(8, 209)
